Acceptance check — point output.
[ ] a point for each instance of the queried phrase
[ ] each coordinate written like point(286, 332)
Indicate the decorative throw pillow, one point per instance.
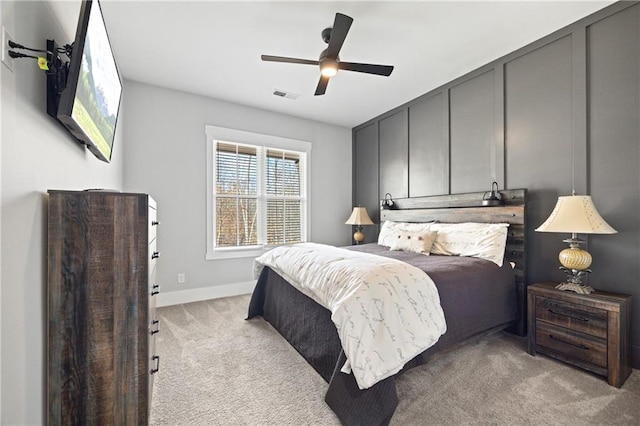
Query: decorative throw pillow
point(417, 242)
point(483, 240)
point(389, 230)
point(385, 237)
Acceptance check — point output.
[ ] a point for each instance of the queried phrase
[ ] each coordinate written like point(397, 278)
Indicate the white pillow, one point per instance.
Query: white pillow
point(388, 230)
point(417, 242)
point(483, 240)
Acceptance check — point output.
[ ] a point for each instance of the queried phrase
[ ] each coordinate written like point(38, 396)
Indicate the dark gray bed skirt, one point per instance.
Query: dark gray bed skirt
point(475, 305)
point(307, 326)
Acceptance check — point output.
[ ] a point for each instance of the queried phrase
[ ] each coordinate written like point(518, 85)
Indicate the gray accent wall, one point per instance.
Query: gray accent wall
point(429, 147)
point(365, 167)
point(394, 151)
point(538, 135)
point(471, 118)
point(559, 114)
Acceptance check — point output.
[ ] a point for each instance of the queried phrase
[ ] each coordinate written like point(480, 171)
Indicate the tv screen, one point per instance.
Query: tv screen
point(90, 101)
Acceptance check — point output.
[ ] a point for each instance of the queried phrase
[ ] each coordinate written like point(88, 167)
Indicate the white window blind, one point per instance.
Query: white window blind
point(259, 195)
point(236, 195)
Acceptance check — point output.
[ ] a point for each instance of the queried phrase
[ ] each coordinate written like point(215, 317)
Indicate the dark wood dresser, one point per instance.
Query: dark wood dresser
point(101, 307)
point(590, 331)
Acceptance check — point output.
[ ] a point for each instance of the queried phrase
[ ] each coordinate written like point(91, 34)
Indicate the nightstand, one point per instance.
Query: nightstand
point(590, 331)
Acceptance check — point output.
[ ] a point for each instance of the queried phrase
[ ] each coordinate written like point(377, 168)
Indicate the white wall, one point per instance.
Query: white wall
point(37, 155)
point(165, 156)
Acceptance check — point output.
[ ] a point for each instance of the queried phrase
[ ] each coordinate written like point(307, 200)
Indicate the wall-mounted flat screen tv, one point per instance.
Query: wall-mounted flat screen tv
point(90, 100)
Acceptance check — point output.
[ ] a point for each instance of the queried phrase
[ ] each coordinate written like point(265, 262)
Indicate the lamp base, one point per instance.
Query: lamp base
point(574, 276)
point(574, 257)
point(577, 288)
point(358, 236)
point(574, 281)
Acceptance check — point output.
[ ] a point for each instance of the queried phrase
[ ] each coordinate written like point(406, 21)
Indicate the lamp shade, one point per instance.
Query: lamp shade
point(576, 214)
point(359, 216)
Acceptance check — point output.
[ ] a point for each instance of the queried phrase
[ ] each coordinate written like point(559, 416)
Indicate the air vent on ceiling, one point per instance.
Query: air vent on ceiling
point(284, 94)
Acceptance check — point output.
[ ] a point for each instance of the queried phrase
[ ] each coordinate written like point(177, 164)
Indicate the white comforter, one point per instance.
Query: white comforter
point(386, 311)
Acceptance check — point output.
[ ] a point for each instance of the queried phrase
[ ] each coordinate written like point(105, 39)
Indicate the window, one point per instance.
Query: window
point(257, 192)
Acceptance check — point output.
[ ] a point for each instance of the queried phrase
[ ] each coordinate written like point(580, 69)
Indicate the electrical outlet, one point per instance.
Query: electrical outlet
point(181, 278)
point(6, 59)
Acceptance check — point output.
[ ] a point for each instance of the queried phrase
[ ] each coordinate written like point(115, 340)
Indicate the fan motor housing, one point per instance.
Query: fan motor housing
point(326, 35)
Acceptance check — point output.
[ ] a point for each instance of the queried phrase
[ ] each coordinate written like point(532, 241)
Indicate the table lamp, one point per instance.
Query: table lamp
point(575, 214)
point(358, 218)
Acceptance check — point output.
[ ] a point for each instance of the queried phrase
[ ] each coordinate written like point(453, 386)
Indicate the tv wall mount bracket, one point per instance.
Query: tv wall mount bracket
point(43, 62)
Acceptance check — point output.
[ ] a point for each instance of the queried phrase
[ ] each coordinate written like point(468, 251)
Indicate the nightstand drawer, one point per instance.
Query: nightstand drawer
point(581, 318)
point(572, 344)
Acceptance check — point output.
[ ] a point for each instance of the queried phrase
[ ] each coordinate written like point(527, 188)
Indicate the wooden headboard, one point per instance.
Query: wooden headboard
point(457, 208)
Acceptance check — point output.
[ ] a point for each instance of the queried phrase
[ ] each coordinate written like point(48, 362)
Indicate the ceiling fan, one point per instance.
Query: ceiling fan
point(329, 61)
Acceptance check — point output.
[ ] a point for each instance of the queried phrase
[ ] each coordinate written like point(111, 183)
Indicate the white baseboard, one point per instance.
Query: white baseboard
point(204, 293)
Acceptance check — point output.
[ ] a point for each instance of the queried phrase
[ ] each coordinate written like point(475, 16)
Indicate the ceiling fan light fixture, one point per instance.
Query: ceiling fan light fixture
point(329, 68)
point(329, 60)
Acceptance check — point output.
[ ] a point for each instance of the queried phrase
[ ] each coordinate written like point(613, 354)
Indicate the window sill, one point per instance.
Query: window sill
point(235, 253)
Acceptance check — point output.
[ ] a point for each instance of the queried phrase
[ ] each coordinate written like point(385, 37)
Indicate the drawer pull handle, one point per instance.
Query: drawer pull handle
point(583, 319)
point(155, 289)
point(157, 329)
point(155, 223)
point(580, 346)
point(155, 358)
point(155, 255)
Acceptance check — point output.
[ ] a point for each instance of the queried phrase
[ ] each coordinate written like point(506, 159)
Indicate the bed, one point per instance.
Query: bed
point(476, 295)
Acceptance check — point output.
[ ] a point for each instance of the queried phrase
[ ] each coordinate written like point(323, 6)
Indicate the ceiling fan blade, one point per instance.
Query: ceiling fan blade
point(341, 26)
point(366, 68)
point(322, 85)
point(288, 60)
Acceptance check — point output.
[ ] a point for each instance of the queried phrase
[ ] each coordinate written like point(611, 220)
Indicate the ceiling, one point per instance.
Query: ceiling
point(213, 48)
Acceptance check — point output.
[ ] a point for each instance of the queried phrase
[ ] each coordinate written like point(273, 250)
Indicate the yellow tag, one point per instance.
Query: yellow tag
point(42, 63)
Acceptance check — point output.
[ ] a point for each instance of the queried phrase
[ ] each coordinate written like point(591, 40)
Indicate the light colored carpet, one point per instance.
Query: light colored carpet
point(218, 369)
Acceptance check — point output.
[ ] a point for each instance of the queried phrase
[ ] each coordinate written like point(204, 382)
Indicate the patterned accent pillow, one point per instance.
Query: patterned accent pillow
point(389, 230)
point(417, 242)
point(483, 240)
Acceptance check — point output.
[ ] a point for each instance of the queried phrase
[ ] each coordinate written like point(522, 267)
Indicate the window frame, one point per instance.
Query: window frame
point(214, 134)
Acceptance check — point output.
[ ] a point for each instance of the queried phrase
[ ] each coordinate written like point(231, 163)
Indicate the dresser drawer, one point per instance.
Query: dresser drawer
point(572, 344)
point(154, 287)
point(153, 224)
point(154, 255)
point(581, 318)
